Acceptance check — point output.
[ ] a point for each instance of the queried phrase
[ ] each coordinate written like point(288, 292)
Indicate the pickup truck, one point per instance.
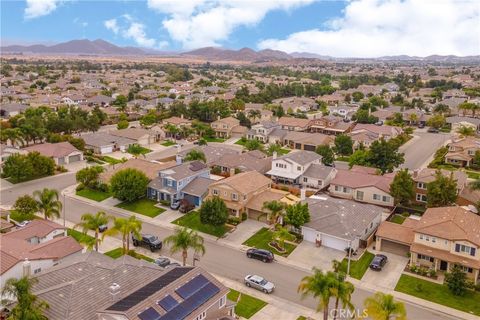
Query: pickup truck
point(147, 240)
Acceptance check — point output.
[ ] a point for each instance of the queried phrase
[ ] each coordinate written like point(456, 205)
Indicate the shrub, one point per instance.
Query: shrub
point(80, 187)
point(61, 169)
point(129, 184)
point(244, 216)
point(214, 212)
point(233, 221)
point(165, 203)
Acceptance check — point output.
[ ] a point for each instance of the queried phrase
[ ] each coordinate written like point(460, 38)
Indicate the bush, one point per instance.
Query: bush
point(21, 167)
point(61, 169)
point(80, 187)
point(244, 216)
point(165, 203)
point(103, 187)
point(214, 212)
point(129, 184)
point(233, 221)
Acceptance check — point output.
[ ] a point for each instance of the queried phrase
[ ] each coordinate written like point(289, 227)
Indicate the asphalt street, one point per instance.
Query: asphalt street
point(420, 151)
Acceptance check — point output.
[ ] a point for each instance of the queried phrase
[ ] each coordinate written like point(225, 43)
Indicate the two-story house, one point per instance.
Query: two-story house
point(330, 125)
point(262, 130)
point(362, 184)
point(441, 238)
point(169, 184)
point(289, 168)
point(366, 134)
point(226, 127)
point(294, 124)
point(461, 152)
point(425, 176)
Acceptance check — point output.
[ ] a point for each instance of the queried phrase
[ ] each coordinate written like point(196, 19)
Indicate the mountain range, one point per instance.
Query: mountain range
point(102, 47)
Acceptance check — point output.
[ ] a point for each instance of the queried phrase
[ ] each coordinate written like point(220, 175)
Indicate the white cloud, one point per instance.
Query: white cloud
point(127, 27)
point(201, 23)
point(39, 8)
point(372, 28)
point(136, 31)
point(112, 25)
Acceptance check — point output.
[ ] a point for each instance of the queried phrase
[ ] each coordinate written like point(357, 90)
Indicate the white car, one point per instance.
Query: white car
point(259, 283)
point(22, 224)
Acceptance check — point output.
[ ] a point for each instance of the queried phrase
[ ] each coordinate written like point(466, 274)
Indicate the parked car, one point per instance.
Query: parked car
point(421, 126)
point(379, 123)
point(103, 228)
point(22, 224)
point(433, 130)
point(259, 283)
point(173, 265)
point(175, 205)
point(162, 262)
point(186, 206)
point(147, 240)
point(260, 254)
point(378, 262)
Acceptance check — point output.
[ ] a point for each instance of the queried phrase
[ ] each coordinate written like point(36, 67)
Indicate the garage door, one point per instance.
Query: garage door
point(394, 247)
point(74, 158)
point(257, 215)
point(104, 150)
point(334, 243)
point(309, 234)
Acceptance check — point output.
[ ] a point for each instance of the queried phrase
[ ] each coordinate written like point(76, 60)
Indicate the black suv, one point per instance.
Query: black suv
point(149, 241)
point(378, 262)
point(260, 254)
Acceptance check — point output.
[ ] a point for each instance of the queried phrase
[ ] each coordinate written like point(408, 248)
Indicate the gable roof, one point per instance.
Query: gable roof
point(131, 133)
point(54, 150)
point(294, 122)
point(301, 157)
point(356, 179)
point(150, 168)
point(244, 182)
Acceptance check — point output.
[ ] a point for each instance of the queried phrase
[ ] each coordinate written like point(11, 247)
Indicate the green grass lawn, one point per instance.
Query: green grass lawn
point(261, 239)
point(141, 150)
point(78, 235)
point(397, 219)
point(247, 306)
point(118, 252)
point(110, 160)
point(440, 294)
point(95, 195)
point(192, 220)
point(16, 216)
point(473, 174)
point(213, 139)
point(241, 142)
point(359, 267)
point(283, 151)
point(301, 318)
point(343, 158)
point(143, 206)
point(168, 143)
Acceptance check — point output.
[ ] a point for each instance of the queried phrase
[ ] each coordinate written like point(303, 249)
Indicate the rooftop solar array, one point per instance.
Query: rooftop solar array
point(168, 303)
point(192, 286)
point(149, 314)
point(148, 290)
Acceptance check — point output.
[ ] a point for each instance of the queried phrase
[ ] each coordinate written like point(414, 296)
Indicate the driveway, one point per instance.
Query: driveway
point(308, 255)
point(390, 274)
point(245, 230)
point(420, 150)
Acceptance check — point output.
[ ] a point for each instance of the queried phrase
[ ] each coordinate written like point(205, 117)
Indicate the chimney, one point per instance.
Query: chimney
point(232, 172)
point(415, 173)
point(114, 291)
point(178, 159)
point(303, 192)
point(274, 155)
point(181, 116)
point(218, 118)
point(27, 268)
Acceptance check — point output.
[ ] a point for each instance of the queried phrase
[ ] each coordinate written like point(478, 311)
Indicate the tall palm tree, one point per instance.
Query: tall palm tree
point(172, 130)
point(125, 227)
point(28, 306)
point(281, 235)
point(342, 291)
point(383, 307)
point(93, 222)
point(48, 203)
point(193, 155)
point(254, 114)
point(466, 131)
point(184, 239)
point(275, 210)
point(319, 285)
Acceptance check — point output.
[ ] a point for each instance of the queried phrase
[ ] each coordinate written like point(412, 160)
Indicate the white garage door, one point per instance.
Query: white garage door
point(334, 243)
point(106, 150)
point(74, 158)
point(309, 234)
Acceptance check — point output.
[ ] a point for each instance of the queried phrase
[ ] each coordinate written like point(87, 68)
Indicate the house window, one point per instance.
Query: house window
point(424, 257)
point(427, 238)
point(345, 189)
point(320, 183)
point(223, 301)
point(466, 269)
point(421, 237)
point(169, 182)
point(465, 249)
point(225, 193)
point(359, 195)
point(215, 192)
point(386, 199)
point(37, 270)
point(434, 239)
point(421, 197)
point(337, 188)
point(377, 197)
point(234, 196)
point(421, 185)
point(446, 242)
point(201, 316)
point(179, 183)
point(299, 168)
point(305, 179)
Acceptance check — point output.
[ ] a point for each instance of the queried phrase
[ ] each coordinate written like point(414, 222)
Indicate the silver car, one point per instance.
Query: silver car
point(259, 283)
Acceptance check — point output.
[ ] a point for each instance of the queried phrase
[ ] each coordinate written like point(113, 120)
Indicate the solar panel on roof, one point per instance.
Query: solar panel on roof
point(149, 314)
point(168, 303)
point(192, 286)
point(147, 290)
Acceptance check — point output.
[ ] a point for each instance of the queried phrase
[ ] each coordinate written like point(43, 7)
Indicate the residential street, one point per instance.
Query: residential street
point(420, 150)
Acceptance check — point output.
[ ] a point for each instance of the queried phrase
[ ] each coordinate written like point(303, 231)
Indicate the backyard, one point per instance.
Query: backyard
point(247, 306)
point(359, 267)
point(192, 220)
point(95, 195)
point(118, 252)
point(142, 206)
point(262, 238)
point(397, 219)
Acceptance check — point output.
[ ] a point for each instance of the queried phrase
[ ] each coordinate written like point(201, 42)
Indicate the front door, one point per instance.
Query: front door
point(443, 265)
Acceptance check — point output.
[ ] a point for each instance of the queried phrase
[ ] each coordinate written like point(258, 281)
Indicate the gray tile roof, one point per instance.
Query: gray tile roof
point(301, 157)
point(198, 186)
point(318, 171)
point(100, 139)
point(212, 153)
point(184, 170)
point(456, 119)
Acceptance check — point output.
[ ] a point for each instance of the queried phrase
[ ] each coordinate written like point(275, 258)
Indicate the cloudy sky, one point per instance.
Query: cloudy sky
point(357, 28)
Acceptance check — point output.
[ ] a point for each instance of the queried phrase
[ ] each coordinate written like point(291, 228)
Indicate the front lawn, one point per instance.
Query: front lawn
point(247, 306)
point(78, 235)
point(138, 150)
point(95, 195)
point(168, 143)
point(143, 206)
point(213, 139)
point(440, 294)
point(18, 217)
point(359, 267)
point(118, 252)
point(110, 160)
point(283, 151)
point(192, 220)
point(241, 142)
point(397, 219)
point(261, 239)
point(473, 174)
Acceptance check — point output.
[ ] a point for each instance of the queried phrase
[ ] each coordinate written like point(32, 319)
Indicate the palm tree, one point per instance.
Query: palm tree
point(172, 130)
point(125, 227)
point(280, 235)
point(342, 291)
point(93, 222)
point(383, 307)
point(466, 131)
point(28, 306)
point(184, 239)
point(48, 203)
point(442, 108)
point(319, 286)
point(413, 118)
point(254, 114)
point(336, 265)
point(194, 154)
point(275, 210)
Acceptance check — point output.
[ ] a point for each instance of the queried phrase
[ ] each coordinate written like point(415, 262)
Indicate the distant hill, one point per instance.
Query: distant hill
point(244, 54)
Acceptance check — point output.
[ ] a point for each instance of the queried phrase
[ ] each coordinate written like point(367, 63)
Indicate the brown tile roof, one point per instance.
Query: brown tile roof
point(244, 182)
point(444, 255)
point(428, 175)
point(54, 150)
point(131, 133)
point(355, 179)
point(256, 203)
point(177, 121)
point(397, 232)
point(150, 168)
point(230, 121)
point(294, 122)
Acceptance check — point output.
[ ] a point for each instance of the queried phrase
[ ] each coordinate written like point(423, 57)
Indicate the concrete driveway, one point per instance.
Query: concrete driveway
point(308, 255)
point(390, 274)
point(420, 150)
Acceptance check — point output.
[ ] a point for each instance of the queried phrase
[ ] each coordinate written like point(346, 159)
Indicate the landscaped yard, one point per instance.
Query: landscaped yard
point(117, 253)
point(78, 235)
point(168, 143)
point(247, 306)
point(473, 174)
point(438, 293)
point(143, 206)
point(397, 219)
point(18, 217)
point(261, 239)
point(213, 139)
point(95, 195)
point(283, 151)
point(139, 150)
point(241, 142)
point(359, 267)
point(111, 160)
point(192, 220)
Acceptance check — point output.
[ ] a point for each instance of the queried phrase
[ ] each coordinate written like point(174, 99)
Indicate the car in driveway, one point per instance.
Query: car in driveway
point(259, 283)
point(103, 228)
point(260, 254)
point(378, 262)
point(433, 130)
point(148, 240)
point(162, 262)
point(22, 224)
point(175, 205)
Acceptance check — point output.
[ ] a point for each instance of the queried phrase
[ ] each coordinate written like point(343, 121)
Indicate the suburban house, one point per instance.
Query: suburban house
point(262, 130)
point(177, 121)
point(318, 176)
point(363, 185)
point(169, 183)
point(340, 223)
point(62, 152)
point(227, 127)
point(344, 111)
point(461, 152)
point(305, 140)
point(6, 151)
point(141, 136)
point(425, 176)
point(29, 250)
point(366, 134)
point(8, 110)
point(441, 238)
point(149, 168)
point(212, 153)
point(294, 124)
point(95, 286)
point(289, 168)
point(457, 122)
point(251, 160)
point(103, 143)
point(330, 125)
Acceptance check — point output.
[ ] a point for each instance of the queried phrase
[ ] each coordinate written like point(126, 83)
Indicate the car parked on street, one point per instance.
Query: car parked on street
point(378, 262)
point(259, 283)
point(147, 240)
point(260, 254)
point(162, 262)
point(433, 130)
point(103, 228)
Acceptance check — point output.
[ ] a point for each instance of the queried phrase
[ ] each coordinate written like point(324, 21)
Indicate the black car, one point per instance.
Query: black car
point(421, 126)
point(150, 241)
point(103, 228)
point(162, 262)
point(260, 254)
point(378, 262)
point(185, 206)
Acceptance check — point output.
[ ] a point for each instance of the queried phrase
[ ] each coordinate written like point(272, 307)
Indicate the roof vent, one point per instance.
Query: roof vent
point(114, 291)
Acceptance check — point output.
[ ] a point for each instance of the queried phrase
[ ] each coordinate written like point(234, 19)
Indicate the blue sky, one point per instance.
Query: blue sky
point(362, 28)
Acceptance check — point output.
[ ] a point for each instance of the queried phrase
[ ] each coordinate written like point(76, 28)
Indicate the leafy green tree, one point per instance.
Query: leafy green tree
point(402, 188)
point(122, 124)
point(456, 281)
point(125, 227)
point(184, 239)
point(214, 212)
point(28, 307)
point(297, 214)
point(253, 144)
point(136, 150)
point(273, 148)
point(442, 191)
point(363, 116)
point(90, 222)
point(383, 306)
point(48, 203)
point(89, 176)
point(18, 168)
point(280, 235)
point(244, 121)
point(441, 108)
point(343, 145)
point(328, 157)
point(194, 154)
point(120, 102)
point(437, 121)
point(275, 210)
point(149, 119)
point(359, 158)
point(357, 96)
point(384, 155)
point(466, 131)
point(129, 184)
point(26, 206)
